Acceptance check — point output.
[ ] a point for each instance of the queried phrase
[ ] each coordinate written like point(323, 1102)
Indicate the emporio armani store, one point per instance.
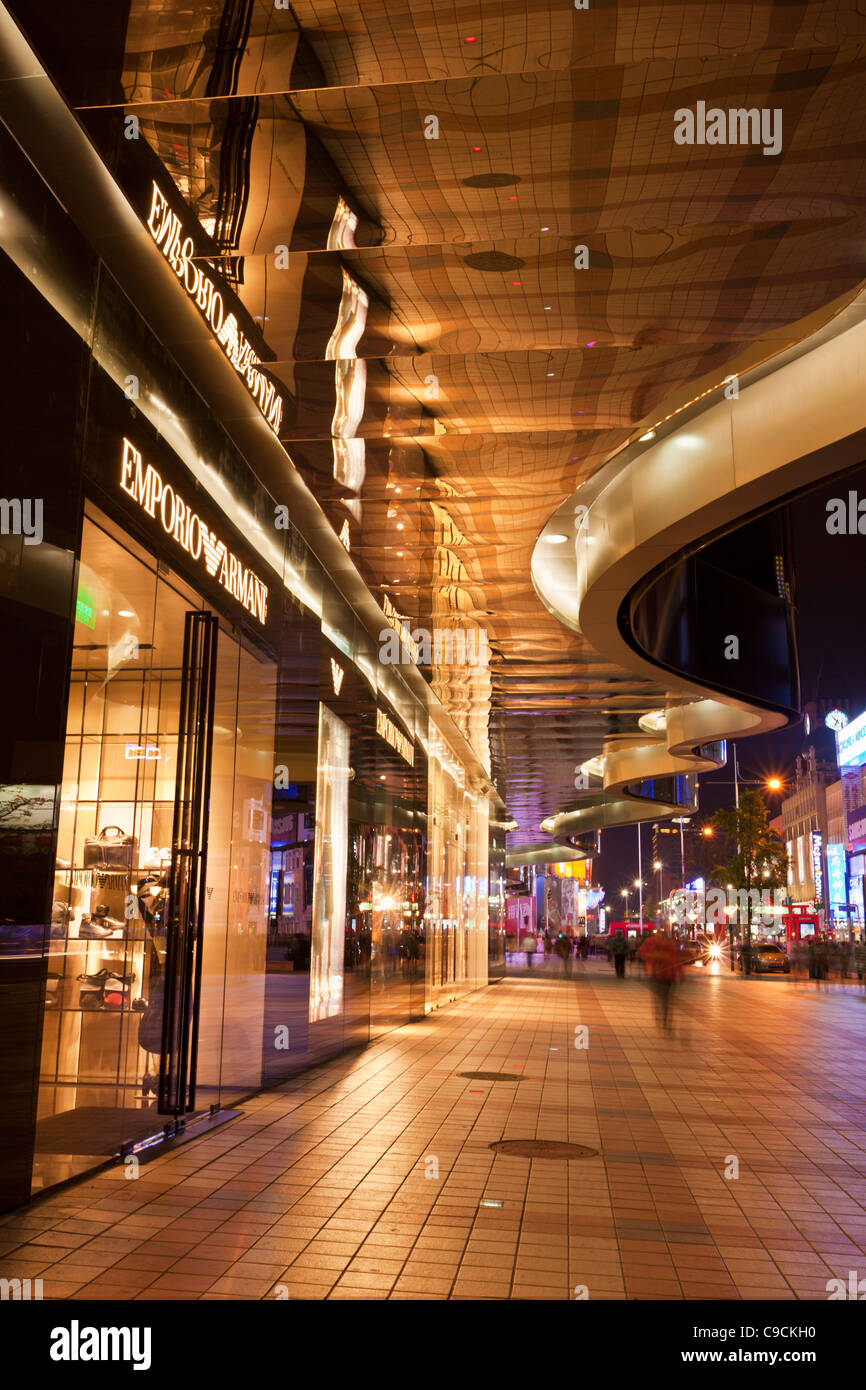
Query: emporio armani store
point(231, 842)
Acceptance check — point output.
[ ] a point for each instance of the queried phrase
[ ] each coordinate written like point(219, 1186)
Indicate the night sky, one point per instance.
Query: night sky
point(830, 578)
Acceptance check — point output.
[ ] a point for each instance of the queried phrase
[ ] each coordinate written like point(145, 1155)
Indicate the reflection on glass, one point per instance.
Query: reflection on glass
point(330, 865)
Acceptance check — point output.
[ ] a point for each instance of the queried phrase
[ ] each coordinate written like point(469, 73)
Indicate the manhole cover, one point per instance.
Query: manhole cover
point(542, 1148)
point(493, 260)
point(491, 180)
point(490, 1076)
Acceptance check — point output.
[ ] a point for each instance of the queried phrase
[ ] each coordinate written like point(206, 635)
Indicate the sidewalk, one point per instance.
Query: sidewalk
point(363, 1178)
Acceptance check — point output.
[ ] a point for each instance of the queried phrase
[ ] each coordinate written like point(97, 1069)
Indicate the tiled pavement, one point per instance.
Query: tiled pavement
point(327, 1187)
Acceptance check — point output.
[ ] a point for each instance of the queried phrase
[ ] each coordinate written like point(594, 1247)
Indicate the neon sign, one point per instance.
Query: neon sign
point(146, 487)
point(179, 249)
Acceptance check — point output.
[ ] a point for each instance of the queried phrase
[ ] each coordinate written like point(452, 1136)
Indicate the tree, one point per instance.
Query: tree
point(754, 856)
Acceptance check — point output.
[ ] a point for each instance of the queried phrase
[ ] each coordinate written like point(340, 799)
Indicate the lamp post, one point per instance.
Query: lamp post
point(639, 882)
point(624, 892)
point(659, 868)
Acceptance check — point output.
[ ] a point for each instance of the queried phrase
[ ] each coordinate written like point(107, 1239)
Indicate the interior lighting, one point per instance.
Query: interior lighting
point(555, 538)
point(471, 38)
point(650, 434)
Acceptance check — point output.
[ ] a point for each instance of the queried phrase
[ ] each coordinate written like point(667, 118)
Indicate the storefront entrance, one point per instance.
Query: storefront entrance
point(156, 971)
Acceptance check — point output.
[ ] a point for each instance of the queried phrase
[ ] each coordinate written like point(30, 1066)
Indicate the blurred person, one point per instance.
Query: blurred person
point(562, 946)
point(619, 950)
point(662, 957)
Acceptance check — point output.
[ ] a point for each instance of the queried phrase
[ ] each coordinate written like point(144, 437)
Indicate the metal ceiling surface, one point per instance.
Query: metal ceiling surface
point(479, 146)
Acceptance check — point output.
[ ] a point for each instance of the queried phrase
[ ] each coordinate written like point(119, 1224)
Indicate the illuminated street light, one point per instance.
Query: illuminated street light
point(774, 784)
point(707, 830)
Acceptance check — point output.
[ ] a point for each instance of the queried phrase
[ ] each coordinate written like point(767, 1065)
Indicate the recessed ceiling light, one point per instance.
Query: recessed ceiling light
point(555, 538)
point(399, 526)
point(650, 434)
point(125, 613)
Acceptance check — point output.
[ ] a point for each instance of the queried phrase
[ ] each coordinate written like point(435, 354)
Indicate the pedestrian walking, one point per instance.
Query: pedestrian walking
point(619, 951)
point(662, 958)
point(562, 946)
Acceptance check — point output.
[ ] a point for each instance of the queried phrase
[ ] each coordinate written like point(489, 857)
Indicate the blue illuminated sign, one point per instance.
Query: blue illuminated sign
point(851, 743)
point(836, 887)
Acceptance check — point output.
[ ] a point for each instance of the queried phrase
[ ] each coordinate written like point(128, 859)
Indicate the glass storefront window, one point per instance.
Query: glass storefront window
point(103, 1038)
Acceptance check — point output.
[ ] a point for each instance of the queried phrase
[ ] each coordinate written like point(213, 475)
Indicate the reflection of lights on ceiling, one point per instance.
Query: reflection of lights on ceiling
point(650, 434)
point(555, 538)
point(125, 613)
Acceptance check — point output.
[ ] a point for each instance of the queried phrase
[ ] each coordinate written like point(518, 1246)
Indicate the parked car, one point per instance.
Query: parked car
point(767, 958)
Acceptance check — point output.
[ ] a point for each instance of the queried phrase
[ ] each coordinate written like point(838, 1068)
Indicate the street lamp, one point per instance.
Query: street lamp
point(624, 892)
point(708, 830)
point(658, 866)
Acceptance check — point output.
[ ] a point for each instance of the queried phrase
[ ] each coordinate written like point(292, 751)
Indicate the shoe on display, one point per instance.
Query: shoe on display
point(119, 983)
point(88, 930)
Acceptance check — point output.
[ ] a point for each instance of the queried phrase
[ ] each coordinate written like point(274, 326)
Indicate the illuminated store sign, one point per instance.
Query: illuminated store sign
point(178, 248)
point(817, 870)
point(401, 627)
point(836, 890)
point(387, 729)
point(851, 742)
point(145, 486)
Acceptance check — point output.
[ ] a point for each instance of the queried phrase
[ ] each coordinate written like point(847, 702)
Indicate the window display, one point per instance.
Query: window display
point(110, 937)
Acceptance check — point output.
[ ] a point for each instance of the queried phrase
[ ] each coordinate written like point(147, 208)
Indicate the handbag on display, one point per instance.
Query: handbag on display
point(112, 848)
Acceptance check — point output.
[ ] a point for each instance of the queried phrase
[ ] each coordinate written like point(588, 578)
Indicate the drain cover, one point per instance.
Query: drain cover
point(491, 180)
point(493, 260)
point(542, 1148)
point(490, 1076)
